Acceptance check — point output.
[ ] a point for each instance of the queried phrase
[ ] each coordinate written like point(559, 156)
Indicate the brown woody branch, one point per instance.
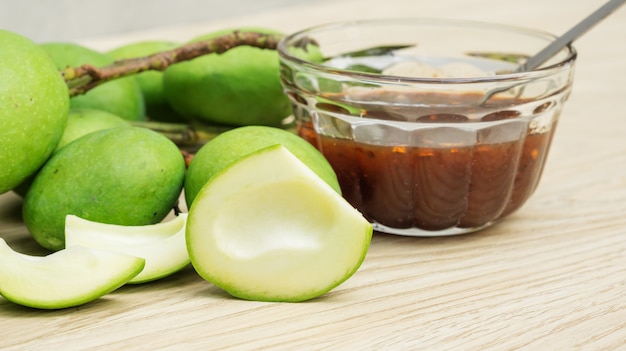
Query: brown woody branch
point(86, 77)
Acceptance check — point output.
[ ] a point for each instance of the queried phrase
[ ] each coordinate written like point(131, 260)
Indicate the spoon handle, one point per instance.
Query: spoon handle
point(567, 38)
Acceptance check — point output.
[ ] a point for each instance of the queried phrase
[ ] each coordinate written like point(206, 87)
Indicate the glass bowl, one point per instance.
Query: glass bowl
point(429, 128)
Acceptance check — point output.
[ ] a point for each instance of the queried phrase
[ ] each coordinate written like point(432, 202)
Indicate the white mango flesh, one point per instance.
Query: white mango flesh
point(162, 245)
point(268, 228)
point(65, 278)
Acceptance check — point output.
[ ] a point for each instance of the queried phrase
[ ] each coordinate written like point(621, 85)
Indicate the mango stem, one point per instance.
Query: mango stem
point(86, 77)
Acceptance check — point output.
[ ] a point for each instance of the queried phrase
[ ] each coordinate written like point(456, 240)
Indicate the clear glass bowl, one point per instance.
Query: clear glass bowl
point(427, 125)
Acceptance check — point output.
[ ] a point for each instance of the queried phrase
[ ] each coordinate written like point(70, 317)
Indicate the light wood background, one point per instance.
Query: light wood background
point(550, 277)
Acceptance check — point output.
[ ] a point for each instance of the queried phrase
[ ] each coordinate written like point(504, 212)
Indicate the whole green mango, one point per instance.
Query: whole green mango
point(34, 102)
point(238, 87)
point(125, 176)
point(121, 97)
point(79, 122)
point(82, 121)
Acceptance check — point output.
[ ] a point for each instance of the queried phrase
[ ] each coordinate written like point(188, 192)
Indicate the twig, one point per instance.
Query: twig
point(86, 77)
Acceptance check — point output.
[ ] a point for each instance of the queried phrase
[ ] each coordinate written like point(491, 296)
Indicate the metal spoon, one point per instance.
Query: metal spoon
point(569, 36)
point(561, 42)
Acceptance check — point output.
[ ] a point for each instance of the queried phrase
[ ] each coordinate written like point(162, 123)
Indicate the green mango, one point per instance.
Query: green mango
point(228, 147)
point(239, 87)
point(79, 122)
point(34, 101)
point(125, 176)
point(83, 121)
point(121, 96)
point(150, 82)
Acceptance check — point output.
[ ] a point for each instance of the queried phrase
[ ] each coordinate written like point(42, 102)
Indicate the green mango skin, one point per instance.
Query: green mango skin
point(239, 87)
point(312, 53)
point(120, 97)
point(125, 176)
point(79, 122)
point(150, 82)
point(83, 121)
point(34, 102)
point(228, 147)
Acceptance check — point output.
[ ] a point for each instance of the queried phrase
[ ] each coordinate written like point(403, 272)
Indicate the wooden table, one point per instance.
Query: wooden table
point(550, 277)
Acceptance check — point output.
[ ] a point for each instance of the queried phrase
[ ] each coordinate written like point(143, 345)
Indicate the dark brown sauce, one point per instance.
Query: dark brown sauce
point(435, 188)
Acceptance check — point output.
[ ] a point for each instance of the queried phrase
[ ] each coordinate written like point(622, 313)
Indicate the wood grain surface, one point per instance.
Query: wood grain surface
point(550, 277)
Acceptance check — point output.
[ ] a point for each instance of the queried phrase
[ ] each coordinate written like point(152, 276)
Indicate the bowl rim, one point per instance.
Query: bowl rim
point(542, 71)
